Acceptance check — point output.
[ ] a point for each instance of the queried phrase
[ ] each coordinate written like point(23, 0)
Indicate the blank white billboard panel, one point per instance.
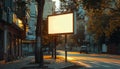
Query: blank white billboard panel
point(60, 24)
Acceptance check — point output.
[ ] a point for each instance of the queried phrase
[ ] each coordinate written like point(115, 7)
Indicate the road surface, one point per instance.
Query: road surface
point(93, 61)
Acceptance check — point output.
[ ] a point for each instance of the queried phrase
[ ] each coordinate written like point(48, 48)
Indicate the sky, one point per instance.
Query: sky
point(57, 3)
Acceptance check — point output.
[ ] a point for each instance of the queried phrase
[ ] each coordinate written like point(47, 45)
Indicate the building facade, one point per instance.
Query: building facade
point(29, 43)
point(32, 20)
point(12, 29)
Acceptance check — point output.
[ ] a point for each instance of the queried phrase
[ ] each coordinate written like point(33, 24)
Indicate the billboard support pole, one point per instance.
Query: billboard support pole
point(55, 46)
point(52, 48)
point(65, 47)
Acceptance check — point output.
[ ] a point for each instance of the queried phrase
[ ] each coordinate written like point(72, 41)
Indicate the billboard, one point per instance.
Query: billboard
point(60, 24)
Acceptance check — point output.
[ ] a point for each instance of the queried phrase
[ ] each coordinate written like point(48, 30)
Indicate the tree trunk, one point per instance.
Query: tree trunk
point(38, 46)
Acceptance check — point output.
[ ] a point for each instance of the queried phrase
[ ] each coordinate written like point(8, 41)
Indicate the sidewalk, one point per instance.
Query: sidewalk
point(17, 64)
point(49, 63)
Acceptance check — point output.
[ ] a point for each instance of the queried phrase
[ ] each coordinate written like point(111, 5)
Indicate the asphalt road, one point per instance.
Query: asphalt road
point(95, 61)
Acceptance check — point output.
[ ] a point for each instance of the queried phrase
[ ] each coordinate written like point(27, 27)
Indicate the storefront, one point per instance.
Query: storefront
point(11, 37)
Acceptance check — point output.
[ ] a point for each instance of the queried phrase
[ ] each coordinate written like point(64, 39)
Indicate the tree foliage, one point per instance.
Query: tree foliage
point(68, 5)
point(46, 38)
point(95, 4)
point(104, 16)
point(105, 21)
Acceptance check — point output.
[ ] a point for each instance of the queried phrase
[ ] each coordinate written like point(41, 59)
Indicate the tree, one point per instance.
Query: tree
point(1, 10)
point(92, 4)
point(68, 5)
point(45, 36)
point(114, 24)
point(38, 48)
point(104, 18)
point(104, 21)
point(76, 6)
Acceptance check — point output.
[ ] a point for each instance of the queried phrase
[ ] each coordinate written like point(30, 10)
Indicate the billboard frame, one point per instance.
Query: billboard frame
point(58, 15)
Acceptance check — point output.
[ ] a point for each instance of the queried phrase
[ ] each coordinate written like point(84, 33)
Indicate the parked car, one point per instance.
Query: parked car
point(83, 49)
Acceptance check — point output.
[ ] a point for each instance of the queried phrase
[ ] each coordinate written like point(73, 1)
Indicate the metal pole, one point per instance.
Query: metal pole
point(55, 46)
point(65, 47)
point(52, 46)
